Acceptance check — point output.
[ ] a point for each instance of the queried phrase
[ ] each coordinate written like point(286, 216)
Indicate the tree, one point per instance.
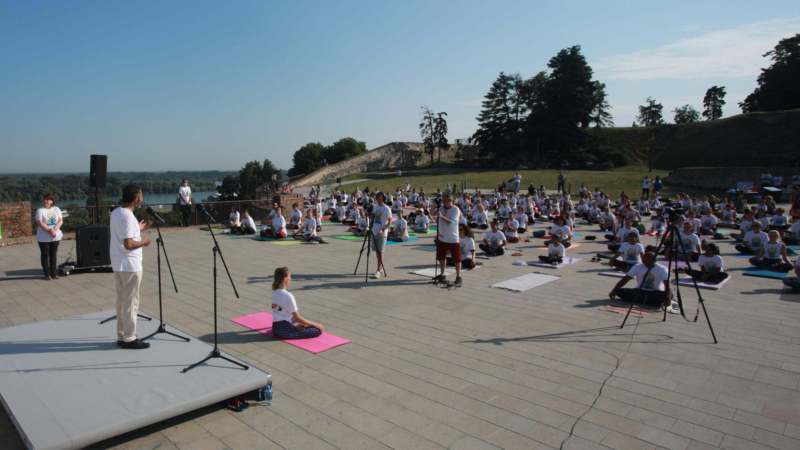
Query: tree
point(255, 174)
point(650, 113)
point(503, 112)
point(600, 115)
point(777, 85)
point(307, 159)
point(229, 190)
point(686, 114)
point(427, 131)
point(343, 149)
point(440, 133)
point(713, 102)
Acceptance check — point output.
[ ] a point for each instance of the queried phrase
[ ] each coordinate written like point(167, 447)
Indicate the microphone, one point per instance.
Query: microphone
point(203, 210)
point(155, 215)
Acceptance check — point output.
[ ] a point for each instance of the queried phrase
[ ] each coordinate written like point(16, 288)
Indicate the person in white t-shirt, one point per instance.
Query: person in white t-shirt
point(772, 255)
point(421, 222)
point(287, 323)
point(711, 268)
point(651, 283)
point(494, 241)
point(248, 225)
point(629, 253)
point(479, 217)
point(48, 235)
point(753, 241)
point(792, 235)
point(277, 227)
point(510, 230)
point(309, 231)
point(381, 220)
point(296, 218)
point(448, 238)
point(467, 247)
point(794, 282)
point(556, 252)
point(399, 232)
point(185, 202)
point(234, 219)
point(125, 250)
point(563, 231)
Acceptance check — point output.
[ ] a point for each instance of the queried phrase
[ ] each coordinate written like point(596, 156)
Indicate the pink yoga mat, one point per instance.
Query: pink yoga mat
point(262, 322)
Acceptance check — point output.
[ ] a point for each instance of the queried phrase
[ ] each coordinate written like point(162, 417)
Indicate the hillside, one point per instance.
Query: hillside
point(755, 139)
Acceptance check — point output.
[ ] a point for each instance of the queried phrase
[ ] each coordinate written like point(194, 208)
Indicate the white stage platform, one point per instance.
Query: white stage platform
point(65, 383)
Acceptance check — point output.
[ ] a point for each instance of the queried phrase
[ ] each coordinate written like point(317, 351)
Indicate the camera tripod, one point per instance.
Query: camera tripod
point(672, 242)
point(367, 244)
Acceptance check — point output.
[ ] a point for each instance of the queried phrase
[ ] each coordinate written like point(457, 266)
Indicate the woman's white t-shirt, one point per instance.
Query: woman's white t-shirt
point(279, 224)
point(310, 227)
point(248, 222)
point(556, 250)
point(773, 250)
point(512, 232)
point(50, 217)
point(495, 238)
point(283, 305)
point(631, 253)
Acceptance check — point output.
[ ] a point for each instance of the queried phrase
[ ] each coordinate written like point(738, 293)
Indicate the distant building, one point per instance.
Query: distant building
point(465, 141)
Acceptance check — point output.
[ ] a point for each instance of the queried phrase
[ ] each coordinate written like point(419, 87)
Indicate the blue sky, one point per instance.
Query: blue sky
point(210, 85)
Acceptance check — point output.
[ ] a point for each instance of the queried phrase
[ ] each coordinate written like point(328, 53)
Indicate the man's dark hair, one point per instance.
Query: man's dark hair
point(130, 192)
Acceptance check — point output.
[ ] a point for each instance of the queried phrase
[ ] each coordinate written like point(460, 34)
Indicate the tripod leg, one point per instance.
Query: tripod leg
point(358, 262)
point(630, 308)
point(186, 369)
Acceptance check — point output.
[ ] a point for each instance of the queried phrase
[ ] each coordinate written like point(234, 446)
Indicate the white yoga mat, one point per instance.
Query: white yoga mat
point(714, 287)
point(612, 274)
point(431, 272)
point(566, 262)
point(525, 282)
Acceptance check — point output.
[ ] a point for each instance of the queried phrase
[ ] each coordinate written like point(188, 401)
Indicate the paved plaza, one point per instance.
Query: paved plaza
point(472, 368)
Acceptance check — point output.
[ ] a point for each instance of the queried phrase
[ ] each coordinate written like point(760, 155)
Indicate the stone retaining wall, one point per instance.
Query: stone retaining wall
point(15, 223)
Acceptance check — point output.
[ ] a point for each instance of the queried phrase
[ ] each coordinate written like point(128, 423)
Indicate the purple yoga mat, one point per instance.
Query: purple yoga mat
point(262, 322)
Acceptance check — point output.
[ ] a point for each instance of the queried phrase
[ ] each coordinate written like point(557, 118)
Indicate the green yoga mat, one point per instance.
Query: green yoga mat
point(763, 273)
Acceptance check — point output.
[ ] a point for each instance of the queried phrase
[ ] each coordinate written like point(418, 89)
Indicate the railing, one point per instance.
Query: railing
point(76, 216)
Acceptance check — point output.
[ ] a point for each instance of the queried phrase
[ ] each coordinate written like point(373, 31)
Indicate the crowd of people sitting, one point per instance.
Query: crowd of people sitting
point(762, 230)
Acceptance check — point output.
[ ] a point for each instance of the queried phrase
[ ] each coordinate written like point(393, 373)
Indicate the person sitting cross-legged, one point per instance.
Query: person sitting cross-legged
point(651, 288)
point(711, 268)
point(421, 222)
point(772, 255)
point(494, 241)
point(753, 241)
point(287, 323)
point(792, 235)
point(794, 282)
point(555, 251)
point(479, 218)
point(629, 253)
point(563, 231)
point(510, 230)
point(399, 231)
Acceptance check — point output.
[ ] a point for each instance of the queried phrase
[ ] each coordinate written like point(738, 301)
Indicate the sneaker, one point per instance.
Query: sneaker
point(674, 308)
point(135, 344)
point(458, 282)
point(376, 275)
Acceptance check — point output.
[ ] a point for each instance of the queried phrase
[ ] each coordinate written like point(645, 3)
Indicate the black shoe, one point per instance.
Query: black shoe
point(135, 344)
point(458, 282)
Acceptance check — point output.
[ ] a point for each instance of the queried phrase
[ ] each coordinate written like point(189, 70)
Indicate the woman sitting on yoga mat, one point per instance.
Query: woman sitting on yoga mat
point(248, 225)
point(287, 323)
point(745, 226)
point(296, 219)
point(510, 230)
point(522, 220)
point(651, 286)
point(563, 231)
point(629, 254)
point(687, 241)
point(555, 251)
point(467, 247)
point(479, 218)
point(772, 255)
point(711, 268)
point(421, 222)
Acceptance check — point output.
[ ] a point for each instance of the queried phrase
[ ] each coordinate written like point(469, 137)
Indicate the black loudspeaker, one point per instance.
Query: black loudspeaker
point(92, 242)
point(97, 170)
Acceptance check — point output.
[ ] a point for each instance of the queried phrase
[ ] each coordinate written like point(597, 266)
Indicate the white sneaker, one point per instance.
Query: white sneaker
point(674, 308)
point(376, 275)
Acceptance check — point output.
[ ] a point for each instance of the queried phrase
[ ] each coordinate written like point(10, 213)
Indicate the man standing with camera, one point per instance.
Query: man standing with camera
point(381, 219)
point(126, 261)
point(448, 239)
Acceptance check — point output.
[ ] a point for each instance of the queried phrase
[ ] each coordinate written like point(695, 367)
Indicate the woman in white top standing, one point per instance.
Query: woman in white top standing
point(48, 234)
point(287, 323)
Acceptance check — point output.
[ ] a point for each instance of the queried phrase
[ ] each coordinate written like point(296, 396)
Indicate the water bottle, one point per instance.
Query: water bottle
point(265, 395)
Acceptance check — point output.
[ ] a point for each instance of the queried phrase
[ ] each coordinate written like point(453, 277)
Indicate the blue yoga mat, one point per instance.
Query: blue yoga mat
point(763, 273)
point(410, 239)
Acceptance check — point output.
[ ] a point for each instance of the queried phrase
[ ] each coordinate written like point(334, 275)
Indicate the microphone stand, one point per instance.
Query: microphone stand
point(215, 353)
point(160, 247)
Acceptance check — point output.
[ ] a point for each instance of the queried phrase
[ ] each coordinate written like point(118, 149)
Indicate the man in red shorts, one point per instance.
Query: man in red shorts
point(448, 240)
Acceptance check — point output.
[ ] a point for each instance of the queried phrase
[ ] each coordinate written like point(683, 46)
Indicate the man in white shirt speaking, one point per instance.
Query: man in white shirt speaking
point(126, 261)
point(448, 239)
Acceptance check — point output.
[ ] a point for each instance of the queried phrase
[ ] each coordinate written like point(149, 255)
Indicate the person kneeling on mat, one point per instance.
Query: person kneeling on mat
point(711, 267)
point(287, 323)
point(651, 286)
point(555, 251)
point(399, 232)
point(772, 256)
point(494, 242)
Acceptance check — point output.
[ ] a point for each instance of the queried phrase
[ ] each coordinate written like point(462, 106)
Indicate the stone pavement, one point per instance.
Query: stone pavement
point(471, 368)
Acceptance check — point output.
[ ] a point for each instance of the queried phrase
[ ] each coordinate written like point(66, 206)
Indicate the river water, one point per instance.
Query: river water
point(150, 199)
